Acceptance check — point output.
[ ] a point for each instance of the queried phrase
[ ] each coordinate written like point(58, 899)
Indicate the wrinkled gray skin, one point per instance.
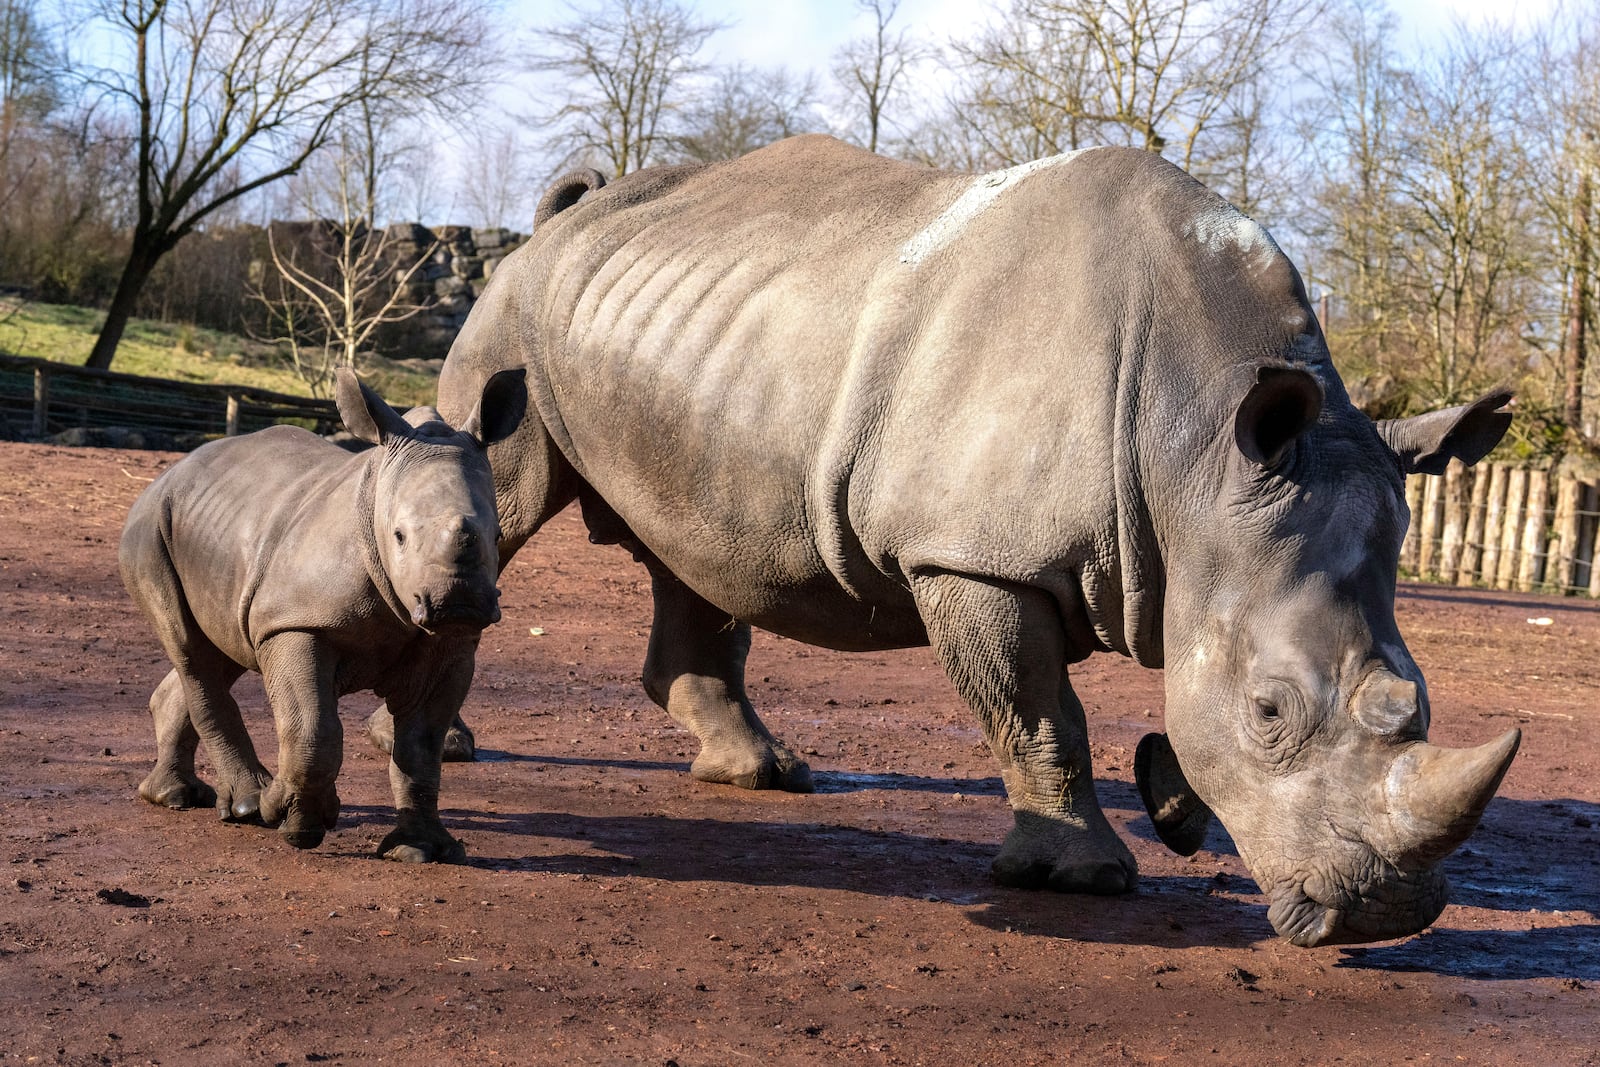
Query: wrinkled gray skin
point(328, 573)
point(1078, 406)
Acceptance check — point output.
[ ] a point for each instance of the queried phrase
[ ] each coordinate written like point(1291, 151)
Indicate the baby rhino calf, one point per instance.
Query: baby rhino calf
point(328, 573)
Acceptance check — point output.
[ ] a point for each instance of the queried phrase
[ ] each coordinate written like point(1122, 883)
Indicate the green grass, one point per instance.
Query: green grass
point(65, 334)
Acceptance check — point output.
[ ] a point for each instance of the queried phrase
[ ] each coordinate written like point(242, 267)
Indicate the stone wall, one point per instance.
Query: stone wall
point(460, 260)
point(446, 286)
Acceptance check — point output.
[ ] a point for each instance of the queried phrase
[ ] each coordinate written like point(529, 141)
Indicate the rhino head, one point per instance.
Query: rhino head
point(429, 497)
point(1294, 710)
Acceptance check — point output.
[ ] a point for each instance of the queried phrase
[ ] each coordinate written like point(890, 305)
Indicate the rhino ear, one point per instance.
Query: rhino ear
point(500, 409)
point(1283, 404)
point(364, 412)
point(1427, 443)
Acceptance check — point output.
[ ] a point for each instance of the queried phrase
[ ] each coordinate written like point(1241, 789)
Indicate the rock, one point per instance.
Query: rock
point(449, 286)
point(409, 233)
point(491, 237)
point(468, 267)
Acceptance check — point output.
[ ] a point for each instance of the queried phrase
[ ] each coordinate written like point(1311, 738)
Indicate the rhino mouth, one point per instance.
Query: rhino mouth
point(459, 608)
point(1321, 911)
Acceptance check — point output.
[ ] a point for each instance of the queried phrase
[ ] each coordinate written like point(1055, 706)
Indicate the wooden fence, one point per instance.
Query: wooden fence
point(1504, 527)
point(42, 398)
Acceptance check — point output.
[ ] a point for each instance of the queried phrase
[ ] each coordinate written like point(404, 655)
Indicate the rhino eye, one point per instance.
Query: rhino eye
point(400, 538)
point(1267, 710)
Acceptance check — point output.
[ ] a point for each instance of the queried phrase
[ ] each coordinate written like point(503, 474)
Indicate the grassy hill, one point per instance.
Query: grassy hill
point(65, 334)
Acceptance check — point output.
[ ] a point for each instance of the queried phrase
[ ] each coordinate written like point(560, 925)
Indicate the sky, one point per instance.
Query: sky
point(803, 35)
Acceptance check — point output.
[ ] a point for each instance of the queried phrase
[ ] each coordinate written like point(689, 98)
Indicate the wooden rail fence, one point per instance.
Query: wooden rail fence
point(43, 398)
point(1502, 526)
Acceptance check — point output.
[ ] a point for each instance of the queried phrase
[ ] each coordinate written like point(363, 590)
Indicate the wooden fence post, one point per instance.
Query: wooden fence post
point(1564, 548)
point(1531, 567)
point(232, 426)
point(1584, 568)
point(1491, 522)
point(1455, 519)
point(1472, 542)
point(1511, 529)
point(1428, 550)
point(1408, 547)
point(41, 402)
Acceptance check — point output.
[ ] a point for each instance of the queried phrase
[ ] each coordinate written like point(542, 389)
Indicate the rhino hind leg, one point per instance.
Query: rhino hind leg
point(695, 670)
point(173, 783)
point(1005, 649)
point(460, 746)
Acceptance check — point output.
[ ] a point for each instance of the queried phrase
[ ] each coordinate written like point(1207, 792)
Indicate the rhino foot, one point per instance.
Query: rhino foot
point(1048, 853)
point(459, 744)
point(240, 800)
point(767, 766)
point(1181, 818)
point(302, 818)
point(415, 841)
point(175, 790)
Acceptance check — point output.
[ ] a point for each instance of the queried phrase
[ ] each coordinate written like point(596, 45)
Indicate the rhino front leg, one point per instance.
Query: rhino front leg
point(695, 670)
point(1004, 648)
point(173, 782)
point(421, 722)
point(460, 746)
point(299, 675)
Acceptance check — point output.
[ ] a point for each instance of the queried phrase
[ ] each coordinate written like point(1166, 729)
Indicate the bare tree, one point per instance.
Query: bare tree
point(1565, 143)
point(1156, 74)
point(228, 96)
point(333, 285)
point(872, 70)
point(626, 68)
point(1354, 125)
point(499, 188)
point(1467, 262)
point(743, 110)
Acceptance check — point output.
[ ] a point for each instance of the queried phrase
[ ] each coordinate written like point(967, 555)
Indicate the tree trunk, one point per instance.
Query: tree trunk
point(141, 261)
point(1577, 323)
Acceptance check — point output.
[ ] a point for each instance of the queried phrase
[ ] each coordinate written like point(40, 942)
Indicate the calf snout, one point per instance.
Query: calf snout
point(459, 606)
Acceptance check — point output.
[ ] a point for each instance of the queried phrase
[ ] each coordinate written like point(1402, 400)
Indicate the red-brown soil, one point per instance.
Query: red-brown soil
point(615, 910)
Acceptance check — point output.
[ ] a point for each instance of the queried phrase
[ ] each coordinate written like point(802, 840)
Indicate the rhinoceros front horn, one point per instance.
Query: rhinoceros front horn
point(1435, 797)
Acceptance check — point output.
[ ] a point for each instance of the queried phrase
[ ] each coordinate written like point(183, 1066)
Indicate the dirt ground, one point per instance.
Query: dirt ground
point(615, 910)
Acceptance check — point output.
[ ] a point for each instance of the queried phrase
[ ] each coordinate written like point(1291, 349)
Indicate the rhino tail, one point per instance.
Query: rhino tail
point(566, 191)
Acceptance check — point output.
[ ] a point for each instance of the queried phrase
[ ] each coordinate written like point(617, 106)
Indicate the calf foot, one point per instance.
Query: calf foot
point(763, 765)
point(172, 788)
point(239, 799)
point(419, 840)
point(302, 817)
point(459, 744)
point(1043, 852)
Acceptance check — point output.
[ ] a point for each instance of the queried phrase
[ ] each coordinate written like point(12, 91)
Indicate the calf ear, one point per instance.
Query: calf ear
point(1427, 443)
point(1283, 404)
point(364, 412)
point(500, 409)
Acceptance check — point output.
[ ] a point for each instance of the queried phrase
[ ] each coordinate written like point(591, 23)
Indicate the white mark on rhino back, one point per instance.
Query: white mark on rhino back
point(1224, 225)
point(984, 190)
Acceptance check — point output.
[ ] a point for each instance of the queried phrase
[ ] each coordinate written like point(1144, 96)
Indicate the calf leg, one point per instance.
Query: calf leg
point(300, 680)
point(173, 782)
point(1005, 649)
point(695, 670)
point(421, 722)
point(199, 684)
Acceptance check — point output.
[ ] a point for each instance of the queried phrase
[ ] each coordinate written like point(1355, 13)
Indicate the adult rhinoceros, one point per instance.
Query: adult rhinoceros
point(1080, 405)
